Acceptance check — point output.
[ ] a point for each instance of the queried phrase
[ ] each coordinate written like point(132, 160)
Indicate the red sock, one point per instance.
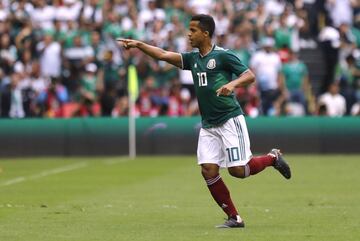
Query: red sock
point(259, 163)
point(221, 194)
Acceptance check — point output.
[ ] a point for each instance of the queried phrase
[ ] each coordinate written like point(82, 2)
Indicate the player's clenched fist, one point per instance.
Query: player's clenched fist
point(225, 90)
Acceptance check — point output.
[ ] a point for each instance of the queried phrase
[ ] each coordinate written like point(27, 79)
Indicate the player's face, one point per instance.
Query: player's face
point(196, 35)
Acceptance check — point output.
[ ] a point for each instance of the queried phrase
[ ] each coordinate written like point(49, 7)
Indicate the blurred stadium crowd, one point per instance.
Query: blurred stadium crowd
point(59, 58)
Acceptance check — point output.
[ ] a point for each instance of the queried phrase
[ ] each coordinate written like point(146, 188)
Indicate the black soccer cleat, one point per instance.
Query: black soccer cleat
point(280, 164)
point(232, 223)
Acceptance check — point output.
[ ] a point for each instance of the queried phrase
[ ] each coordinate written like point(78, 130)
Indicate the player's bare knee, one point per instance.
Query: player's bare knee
point(238, 172)
point(209, 171)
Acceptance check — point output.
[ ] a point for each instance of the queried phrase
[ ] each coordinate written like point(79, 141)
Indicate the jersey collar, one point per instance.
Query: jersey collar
point(212, 48)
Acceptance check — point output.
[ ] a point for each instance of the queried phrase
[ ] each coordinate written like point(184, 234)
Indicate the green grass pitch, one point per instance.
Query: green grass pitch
point(165, 199)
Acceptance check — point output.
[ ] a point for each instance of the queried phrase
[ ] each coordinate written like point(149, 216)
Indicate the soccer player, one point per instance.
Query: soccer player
point(223, 138)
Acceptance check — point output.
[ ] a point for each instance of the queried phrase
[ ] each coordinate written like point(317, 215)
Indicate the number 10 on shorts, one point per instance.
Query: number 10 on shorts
point(233, 154)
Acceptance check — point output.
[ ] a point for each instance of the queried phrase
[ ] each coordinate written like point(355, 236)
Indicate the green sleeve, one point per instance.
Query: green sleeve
point(186, 60)
point(234, 64)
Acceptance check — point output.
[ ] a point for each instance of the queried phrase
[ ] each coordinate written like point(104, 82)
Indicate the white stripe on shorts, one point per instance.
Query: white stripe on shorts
point(241, 138)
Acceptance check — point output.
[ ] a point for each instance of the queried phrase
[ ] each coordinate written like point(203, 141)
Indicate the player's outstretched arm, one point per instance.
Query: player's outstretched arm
point(244, 80)
point(152, 51)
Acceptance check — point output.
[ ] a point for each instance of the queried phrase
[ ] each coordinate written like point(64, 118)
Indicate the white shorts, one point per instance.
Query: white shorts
point(227, 145)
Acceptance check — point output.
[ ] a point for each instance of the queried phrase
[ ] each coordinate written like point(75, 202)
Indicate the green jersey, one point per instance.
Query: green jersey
point(210, 72)
point(294, 73)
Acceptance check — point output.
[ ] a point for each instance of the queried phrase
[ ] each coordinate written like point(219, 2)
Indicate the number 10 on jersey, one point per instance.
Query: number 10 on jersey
point(202, 79)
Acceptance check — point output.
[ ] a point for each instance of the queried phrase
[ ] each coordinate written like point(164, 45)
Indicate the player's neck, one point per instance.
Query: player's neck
point(205, 48)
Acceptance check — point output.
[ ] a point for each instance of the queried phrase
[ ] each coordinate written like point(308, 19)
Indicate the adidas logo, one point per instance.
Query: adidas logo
point(224, 206)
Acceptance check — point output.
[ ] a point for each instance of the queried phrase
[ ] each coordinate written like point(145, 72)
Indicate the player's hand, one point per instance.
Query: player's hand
point(127, 43)
point(225, 90)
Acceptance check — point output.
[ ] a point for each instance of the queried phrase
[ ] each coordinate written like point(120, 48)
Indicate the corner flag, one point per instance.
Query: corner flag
point(133, 90)
point(133, 85)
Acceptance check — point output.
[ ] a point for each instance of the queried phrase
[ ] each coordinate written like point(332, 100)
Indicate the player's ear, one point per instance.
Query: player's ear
point(206, 33)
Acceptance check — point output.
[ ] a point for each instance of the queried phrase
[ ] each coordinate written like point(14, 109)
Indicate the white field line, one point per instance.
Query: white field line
point(44, 173)
point(13, 181)
point(59, 170)
point(109, 161)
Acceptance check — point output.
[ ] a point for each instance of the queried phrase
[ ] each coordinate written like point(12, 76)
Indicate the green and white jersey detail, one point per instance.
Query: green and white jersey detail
point(210, 72)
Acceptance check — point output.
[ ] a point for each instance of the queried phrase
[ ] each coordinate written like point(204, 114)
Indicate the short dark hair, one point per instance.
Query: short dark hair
point(206, 23)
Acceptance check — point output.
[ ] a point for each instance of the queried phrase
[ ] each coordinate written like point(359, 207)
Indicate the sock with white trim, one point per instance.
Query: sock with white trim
point(258, 164)
point(221, 195)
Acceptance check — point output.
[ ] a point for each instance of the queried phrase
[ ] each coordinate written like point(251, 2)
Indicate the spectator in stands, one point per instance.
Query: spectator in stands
point(112, 75)
point(51, 102)
point(266, 65)
point(309, 11)
point(121, 107)
point(283, 33)
point(93, 14)
point(347, 76)
point(70, 31)
point(250, 100)
point(244, 46)
point(150, 102)
point(355, 29)
point(258, 18)
point(297, 86)
point(5, 95)
point(19, 14)
point(49, 52)
point(185, 78)
point(149, 14)
point(112, 27)
point(175, 105)
point(24, 64)
point(42, 15)
point(38, 84)
point(340, 11)
point(76, 57)
point(329, 38)
point(112, 82)
point(59, 33)
point(221, 19)
point(4, 12)
point(89, 88)
point(98, 47)
point(8, 53)
point(355, 110)
point(197, 7)
point(25, 39)
point(347, 42)
point(322, 110)
point(275, 7)
point(306, 39)
point(12, 98)
point(334, 102)
point(68, 11)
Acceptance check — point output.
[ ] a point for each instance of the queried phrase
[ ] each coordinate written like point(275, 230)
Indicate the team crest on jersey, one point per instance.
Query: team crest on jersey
point(211, 64)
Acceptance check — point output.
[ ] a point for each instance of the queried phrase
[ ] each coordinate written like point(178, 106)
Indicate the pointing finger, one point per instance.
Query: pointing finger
point(121, 40)
point(124, 42)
